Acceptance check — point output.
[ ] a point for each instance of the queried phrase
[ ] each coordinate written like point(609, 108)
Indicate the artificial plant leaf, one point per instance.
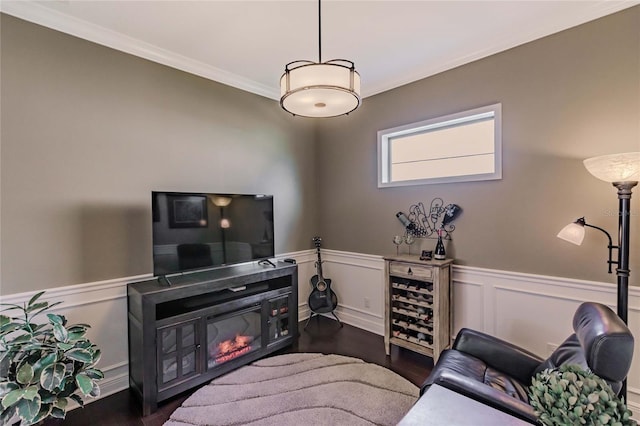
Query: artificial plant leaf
point(97, 354)
point(58, 413)
point(9, 327)
point(81, 355)
point(65, 346)
point(47, 397)
point(6, 387)
point(77, 328)
point(61, 403)
point(24, 376)
point(83, 344)
point(55, 319)
point(49, 306)
point(28, 409)
point(69, 368)
point(85, 384)
point(12, 397)
point(34, 298)
point(60, 333)
point(94, 373)
point(41, 364)
point(81, 325)
point(67, 387)
point(95, 391)
point(52, 376)
point(33, 346)
point(11, 307)
point(44, 412)
point(30, 393)
point(41, 306)
point(4, 320)
point(604, 418)
point(25, 338)
point(6, 356)
point(76, 336)
point(77, 399)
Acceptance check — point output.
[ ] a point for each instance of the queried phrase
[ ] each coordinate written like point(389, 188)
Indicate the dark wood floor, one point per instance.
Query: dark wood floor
point(324, 336)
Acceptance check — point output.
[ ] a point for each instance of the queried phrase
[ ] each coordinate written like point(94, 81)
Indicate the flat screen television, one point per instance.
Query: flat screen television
point(194, 231)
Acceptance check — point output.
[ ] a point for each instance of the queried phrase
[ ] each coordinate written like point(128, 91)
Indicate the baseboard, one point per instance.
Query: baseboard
point(350, 316)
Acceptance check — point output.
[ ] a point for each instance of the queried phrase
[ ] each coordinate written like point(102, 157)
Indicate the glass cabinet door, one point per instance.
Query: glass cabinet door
point(278, 318)
point(178, 349)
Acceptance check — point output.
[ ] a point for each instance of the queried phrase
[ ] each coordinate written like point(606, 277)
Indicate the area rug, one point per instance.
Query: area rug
point(300, 389)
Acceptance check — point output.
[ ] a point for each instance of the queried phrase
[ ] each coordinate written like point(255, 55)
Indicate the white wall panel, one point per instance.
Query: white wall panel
point(358, 281)
point(532, 311)
point(469, 305)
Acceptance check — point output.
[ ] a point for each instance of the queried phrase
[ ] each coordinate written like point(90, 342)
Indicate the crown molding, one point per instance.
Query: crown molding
point(41, 15)
point(31, 11)
point(598, 9)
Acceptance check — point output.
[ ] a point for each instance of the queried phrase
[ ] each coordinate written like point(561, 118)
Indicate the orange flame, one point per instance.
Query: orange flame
point(232, 348)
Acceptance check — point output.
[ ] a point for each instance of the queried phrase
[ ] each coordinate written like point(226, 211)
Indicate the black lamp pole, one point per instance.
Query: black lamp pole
point(622, 271)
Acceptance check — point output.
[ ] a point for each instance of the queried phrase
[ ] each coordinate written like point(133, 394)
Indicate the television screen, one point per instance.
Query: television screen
point(200, 231)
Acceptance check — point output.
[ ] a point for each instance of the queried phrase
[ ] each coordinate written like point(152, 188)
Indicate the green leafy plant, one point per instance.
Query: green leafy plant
point(570, 395)
point(43, 365)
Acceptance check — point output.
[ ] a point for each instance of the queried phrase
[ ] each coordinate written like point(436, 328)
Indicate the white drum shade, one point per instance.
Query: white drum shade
point(320, 89)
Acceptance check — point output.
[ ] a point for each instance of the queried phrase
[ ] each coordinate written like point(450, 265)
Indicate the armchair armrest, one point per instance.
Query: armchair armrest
point(504, 356)
point(485, 394)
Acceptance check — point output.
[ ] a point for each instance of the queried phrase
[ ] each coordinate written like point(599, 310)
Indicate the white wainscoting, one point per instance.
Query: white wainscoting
point(103, 305)
point(533, 311)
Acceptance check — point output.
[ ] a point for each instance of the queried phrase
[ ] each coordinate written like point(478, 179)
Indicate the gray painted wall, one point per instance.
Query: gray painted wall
point(564, 98)
point(89, 132)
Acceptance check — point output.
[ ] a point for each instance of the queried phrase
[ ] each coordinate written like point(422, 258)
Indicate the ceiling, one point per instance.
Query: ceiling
point(246, 44)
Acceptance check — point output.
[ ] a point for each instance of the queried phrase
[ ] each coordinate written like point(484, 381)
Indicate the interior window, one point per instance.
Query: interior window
point(465, 146)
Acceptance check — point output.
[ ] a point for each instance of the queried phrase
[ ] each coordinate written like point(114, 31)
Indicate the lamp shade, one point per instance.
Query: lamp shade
point(221, 201)
point(615, 167)
point(573, 232)
point(326, 89)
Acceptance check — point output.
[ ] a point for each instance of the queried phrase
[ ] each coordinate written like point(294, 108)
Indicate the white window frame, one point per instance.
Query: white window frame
point(386, 137)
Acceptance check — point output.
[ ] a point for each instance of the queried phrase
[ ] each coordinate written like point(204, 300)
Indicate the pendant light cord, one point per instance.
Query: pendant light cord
point(319, 32)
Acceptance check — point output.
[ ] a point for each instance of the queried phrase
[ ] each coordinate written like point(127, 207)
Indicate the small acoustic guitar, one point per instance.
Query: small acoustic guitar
point(322, 299)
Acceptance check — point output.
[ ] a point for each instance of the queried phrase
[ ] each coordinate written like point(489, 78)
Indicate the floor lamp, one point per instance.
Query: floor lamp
point(623, 171)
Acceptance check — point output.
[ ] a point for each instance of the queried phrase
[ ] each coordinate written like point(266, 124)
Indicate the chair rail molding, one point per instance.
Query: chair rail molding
point(532, 311)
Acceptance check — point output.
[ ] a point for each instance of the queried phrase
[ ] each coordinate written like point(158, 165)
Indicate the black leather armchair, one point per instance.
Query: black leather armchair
point(498, 373)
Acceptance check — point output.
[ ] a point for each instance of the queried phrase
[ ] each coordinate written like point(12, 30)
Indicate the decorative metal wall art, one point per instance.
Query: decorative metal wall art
point(426, 223)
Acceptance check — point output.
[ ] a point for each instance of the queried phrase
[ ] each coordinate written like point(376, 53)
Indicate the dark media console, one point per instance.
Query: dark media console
point(206, 324)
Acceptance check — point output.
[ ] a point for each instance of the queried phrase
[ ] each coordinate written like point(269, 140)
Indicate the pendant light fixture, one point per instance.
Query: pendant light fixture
point(320, 89)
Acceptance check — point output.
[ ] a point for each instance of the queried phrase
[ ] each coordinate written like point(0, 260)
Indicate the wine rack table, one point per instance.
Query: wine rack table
point(417, 304)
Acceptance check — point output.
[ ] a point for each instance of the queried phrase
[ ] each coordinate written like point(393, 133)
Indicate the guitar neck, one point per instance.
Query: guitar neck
point(319, 266)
